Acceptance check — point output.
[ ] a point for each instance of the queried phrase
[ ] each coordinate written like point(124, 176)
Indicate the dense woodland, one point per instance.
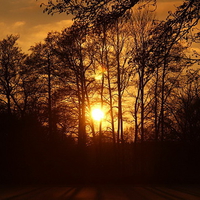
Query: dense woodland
point(142, 72)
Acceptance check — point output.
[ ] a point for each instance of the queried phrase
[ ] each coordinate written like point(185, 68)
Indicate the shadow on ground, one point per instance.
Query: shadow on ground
point(101, 192)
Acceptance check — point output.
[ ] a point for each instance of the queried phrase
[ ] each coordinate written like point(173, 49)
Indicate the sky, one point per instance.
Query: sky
point(26, 18)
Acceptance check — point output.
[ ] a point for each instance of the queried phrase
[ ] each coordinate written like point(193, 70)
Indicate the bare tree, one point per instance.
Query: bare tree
point(11, 60)
point(140, 26)
point(72, 54)
point(45, 59)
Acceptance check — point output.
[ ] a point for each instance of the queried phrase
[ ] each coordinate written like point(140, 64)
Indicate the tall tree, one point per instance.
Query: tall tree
point(46, 63)
point(171, 33)
point(184, 108)
point(72, 53)
point(11, 60)
point(141, 24)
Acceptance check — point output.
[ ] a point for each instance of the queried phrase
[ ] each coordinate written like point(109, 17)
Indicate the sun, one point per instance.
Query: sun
point(97, 114)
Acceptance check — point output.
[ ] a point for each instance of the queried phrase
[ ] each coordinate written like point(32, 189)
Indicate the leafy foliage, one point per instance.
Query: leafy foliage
point(91, 12)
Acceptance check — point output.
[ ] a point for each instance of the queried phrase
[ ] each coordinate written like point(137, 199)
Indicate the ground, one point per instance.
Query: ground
point(101, 192)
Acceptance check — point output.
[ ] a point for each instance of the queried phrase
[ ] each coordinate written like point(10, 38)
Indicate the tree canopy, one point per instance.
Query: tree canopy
point(89, 12)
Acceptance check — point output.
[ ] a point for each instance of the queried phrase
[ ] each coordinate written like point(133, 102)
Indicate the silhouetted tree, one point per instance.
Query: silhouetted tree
point(42, 56)
point(185, 108)
point(11, 62)
point(141, 24)
point(89, 13)
point(72, 53)
point(173, 31)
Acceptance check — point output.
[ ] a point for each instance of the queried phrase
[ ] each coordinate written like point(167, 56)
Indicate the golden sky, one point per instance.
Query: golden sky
point(26, 18)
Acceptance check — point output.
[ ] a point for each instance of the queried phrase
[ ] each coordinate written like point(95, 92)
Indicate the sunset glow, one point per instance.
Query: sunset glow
point(97, 114)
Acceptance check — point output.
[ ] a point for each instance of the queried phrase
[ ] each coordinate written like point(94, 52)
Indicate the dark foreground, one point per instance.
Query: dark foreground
point(101, 192)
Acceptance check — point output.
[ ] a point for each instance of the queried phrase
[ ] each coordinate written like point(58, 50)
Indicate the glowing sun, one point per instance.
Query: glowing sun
point(97, 114)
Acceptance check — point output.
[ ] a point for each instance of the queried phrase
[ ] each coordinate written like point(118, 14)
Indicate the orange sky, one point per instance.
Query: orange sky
point(25, 17)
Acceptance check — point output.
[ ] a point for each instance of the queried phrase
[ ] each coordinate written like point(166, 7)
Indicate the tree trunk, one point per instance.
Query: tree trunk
point(155, 108)
point(142, 103)
point(8, 89)
point(49, 96)
point(120, 134)
point(110, 100)
point(163, 101)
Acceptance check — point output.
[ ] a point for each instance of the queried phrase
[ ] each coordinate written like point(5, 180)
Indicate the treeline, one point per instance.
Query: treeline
point(138, 70)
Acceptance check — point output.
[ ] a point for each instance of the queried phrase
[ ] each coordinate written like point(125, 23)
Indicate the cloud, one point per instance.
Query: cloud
point(29, 37)
point(11, 28)
point(19, 24)
point(40, 31)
